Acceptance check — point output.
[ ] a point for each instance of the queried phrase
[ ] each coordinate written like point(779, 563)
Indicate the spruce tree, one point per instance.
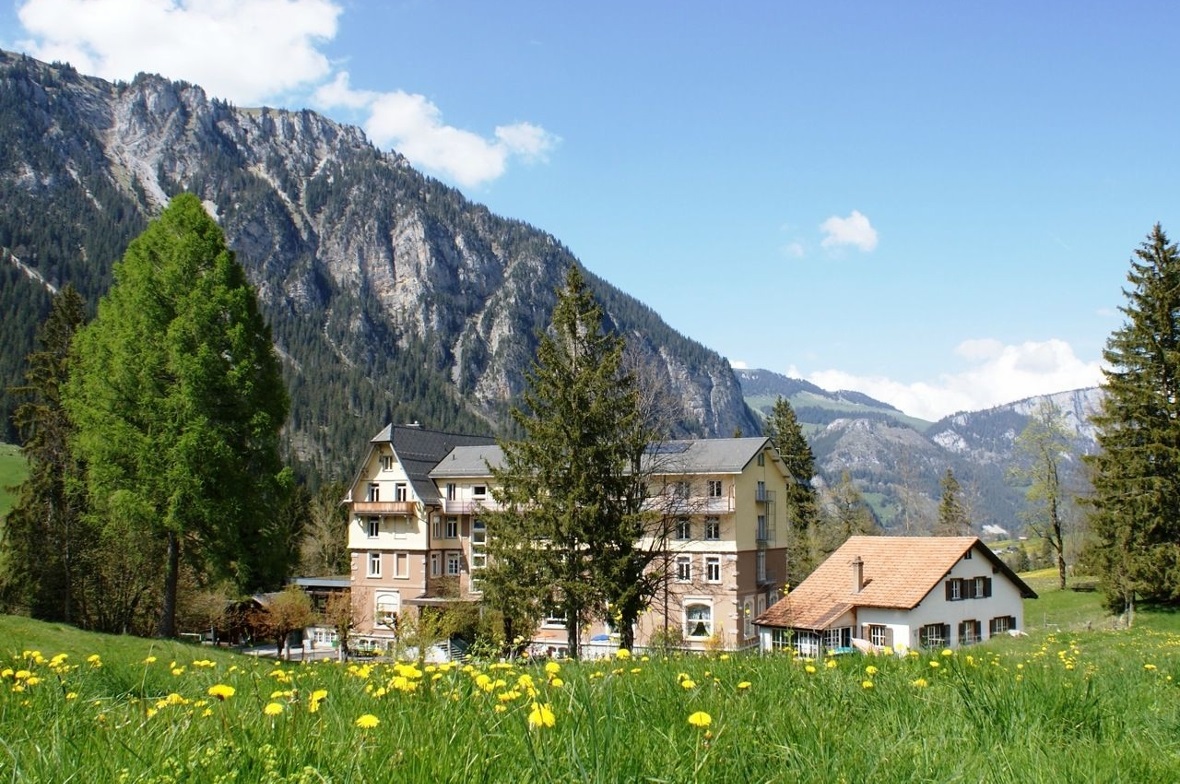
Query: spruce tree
point(567, 541)
point(178, 401)
point(786, 435)
point(952, 514)
point(1135, 511)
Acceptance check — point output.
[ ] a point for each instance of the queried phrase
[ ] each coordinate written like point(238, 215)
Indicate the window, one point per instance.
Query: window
point(374, 527)
point(934, 635)
point(399, 491)
point(760, 491)
point(983, 588)
point(698, 621)
point(401, 565)
point(454, 563)
point(435, 565)
point(747, 619)
point(760, 565)
point(436, 528)
point(479, 540)
point(761, 458)
point(712, 568)
point(374, 565)
point(452, 530)
point(684, 568)
point(954, 590)
point(762, 529)
point(479, 532)
point(714, 488)
point(968, 588)
point(970, 632)
point(451, 495)
point(838, 638)
point(879, 635)
point(680, 490)
point(554, 616)
point(479, 491)
point(684, 528)
point(387, 462)
point(386, 609)
point(712, 528)
point(1001, 625)
point(401, 526)
point(374, 492)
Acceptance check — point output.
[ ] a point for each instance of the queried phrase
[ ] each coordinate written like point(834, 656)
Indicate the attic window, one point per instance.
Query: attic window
point(967, 556)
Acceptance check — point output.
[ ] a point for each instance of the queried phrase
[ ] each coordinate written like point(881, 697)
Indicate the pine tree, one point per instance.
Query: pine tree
point(567, 541)
point(47, 543)
point(785, 433)
point(952, 514)
point(1044, 443)
point(178, 401)
point(1135, 513)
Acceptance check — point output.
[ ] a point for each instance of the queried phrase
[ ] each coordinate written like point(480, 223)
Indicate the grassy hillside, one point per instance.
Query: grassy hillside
point(12, 472)
point(1062, 706)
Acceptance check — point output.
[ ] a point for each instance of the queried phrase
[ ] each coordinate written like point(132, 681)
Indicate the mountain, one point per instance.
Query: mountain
point(391, 296)
point(898, 461)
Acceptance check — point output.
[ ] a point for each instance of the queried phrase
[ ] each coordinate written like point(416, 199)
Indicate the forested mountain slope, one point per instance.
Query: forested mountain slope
point(392, 297)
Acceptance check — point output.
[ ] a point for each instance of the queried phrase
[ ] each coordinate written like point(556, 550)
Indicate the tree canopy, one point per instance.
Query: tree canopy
point(1135, 508)
point(785, 433)
point(178, 402)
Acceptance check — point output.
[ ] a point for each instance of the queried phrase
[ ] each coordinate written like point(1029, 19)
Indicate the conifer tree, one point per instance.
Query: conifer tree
point(1135, 513)
point(46, 543)
point(567, 541)
point(952, 512)
point(178, 401)
point(785, 433)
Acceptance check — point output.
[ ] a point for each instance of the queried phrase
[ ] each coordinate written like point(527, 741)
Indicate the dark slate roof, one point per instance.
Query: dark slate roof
point(419, 450)
point(469, 461)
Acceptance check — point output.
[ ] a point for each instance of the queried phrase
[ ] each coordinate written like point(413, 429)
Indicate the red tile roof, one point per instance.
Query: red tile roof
point(899, 571)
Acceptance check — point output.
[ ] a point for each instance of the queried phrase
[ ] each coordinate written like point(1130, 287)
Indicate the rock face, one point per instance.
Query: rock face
point(374, 277)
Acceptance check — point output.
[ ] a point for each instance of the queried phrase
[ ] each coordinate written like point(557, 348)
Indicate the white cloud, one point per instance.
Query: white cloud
point(738, 364)
point(254, 51)
point(794, 250)
point(997, 374)
point(241, 50)
point(413, 126)
point(854, 230)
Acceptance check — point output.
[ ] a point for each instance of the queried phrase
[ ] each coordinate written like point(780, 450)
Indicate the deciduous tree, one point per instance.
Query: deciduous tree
point(1045, 444)
point(178, 402)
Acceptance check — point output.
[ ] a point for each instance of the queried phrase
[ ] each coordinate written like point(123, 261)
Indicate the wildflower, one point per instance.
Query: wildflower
point(368, 721)
point(1149, 667)
point(541, 716)
point(700, 719)
point(221, 691)
point(934, 665)
point(622, 653)
point(273, 709)
point(830, 664)
point(810, 668)
point(866, 684)
point(688, 683)
point(556, 683)
point(72, 695)
point(552, 668)
point(178, 671)
point(947, 652)
point(723, 657)
point(23, 674)
point(920, 683)
point(743, 685)
point(32, 680)
point(94, 660)
point(317, 696)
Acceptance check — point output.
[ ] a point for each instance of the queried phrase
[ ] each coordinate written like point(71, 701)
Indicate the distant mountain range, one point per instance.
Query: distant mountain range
point(898, 461)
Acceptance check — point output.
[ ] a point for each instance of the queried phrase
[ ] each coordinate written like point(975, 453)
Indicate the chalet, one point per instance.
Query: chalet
point(893, 592)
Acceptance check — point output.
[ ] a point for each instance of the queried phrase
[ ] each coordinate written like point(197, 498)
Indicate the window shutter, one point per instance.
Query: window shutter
point(948, 589)
point(946, 633)
point(1012, 622)
point(889, 636)
point(987, 587)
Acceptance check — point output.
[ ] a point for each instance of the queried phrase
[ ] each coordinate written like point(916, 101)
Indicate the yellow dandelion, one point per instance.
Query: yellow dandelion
point(920, 683)
point(700, 719)
point(866, 684)
point(622, 653)
point(934, 665)
point(556, 683)
point(498, 708)
point(368, 721)
point(317, 696)
point(541, 716)
point(552, 668)
point(221, 691)
point(871, 670)
point(273, 709)
point(1149, 667)
point(947, 652)
point(73, 695)
point(688, 683)
point(743, 685)
point(810, 668)
point(830, 664)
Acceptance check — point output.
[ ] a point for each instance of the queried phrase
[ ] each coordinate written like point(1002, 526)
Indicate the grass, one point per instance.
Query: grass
point(1058, 706)
point(13, 471)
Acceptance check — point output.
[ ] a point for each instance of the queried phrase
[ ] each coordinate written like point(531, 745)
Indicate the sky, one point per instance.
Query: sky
point(933, 203)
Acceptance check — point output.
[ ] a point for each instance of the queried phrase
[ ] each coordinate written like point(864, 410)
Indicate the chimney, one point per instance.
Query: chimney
point(858, 574)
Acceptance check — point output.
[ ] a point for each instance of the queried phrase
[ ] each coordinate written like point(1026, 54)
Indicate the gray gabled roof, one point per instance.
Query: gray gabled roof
point(700, 456)
point(419, 450)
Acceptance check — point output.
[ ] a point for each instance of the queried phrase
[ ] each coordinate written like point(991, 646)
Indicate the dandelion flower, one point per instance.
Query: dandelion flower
point(556, 683)
point(150, 660)
point(688, 683)
point(830, 664)
point(368, 721)
point(317, 696)
point(1149, 667)
point(934, 665)
point(622, 653)
point(920, 683)
point(810, 668)
point(552, 668)
point(871, 670)
point(221, 691)
point(273, 709)
point(866, 685)
point(743, 685)
point(947, 652)
point(541, 716)
point(700, 719)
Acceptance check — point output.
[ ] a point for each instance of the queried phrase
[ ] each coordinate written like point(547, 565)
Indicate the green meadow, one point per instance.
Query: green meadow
point(13, 471)
point(1067, 703)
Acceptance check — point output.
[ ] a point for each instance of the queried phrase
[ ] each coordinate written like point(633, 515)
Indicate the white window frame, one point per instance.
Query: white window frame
point(386, 606)
point(878, 634)
point(713, 528)
point(373, 564)
point(714, 488)
point(712, 568)
point(1001, 624)
point(436, 564)
point(374, 493)
point(932, 635)
point(479, 491)
point(401, 492)
point(454, 563)
point(451, 491)
point(684, 568)
point(683, 529)
point(956, 590)
point(374, 527)
point(451, 530)
point(387, 462)
point(695, 619)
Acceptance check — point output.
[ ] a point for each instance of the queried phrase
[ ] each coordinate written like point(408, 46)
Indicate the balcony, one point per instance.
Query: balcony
point(671, 503)
point(385, 507)
point(764, 496)
point(468, 506)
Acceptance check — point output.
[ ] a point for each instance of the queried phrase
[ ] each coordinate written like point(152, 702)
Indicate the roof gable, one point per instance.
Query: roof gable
point(419, 450)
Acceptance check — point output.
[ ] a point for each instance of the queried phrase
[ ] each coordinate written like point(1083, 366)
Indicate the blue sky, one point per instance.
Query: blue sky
point(933, 203)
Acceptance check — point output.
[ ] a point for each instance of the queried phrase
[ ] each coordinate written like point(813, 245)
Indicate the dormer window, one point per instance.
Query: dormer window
point(479, 491)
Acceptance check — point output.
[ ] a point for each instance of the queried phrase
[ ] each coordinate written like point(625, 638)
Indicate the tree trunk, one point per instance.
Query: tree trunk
point(171, 580)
